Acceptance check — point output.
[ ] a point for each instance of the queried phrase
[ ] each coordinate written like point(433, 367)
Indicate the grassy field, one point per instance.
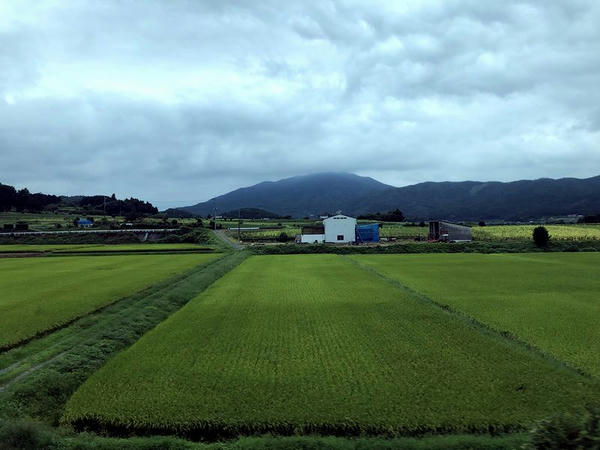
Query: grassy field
point(548, 300)
point(39, 294)
point(315, 343)
point(8, 248)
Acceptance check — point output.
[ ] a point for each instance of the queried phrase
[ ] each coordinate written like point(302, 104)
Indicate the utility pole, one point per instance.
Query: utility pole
point(239, 223)
point(214, 215)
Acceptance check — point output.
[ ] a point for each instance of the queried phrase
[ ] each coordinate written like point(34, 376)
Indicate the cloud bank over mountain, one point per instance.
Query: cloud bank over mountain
point(176, 101)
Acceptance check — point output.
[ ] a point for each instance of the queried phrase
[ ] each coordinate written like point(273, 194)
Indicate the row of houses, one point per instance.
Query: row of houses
point(341, 229)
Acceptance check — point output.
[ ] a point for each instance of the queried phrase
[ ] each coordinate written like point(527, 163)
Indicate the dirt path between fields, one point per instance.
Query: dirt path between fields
point(220, 234)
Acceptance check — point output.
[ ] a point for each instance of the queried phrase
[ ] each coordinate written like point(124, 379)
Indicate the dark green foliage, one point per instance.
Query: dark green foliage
point(391, 216)
point(573, 430)
point(186, 235)
point(23, 200)
point(177, 213)
point(73, 238)
point(541, 237)
point(29, 434)
point(26, 434)
point(283, 237)
point(250, 213)
point(590, 219)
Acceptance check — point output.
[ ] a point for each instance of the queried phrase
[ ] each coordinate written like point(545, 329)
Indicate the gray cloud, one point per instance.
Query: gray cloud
point(175, 102)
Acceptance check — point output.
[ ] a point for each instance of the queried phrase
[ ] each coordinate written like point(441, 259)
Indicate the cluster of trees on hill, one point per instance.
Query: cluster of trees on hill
point(590, 219)
point(22, 200)
point(250, 213)
point(390, 216)
point(114, 207)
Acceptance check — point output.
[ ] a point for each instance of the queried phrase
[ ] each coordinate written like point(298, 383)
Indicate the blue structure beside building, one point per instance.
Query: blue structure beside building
point(367, 233)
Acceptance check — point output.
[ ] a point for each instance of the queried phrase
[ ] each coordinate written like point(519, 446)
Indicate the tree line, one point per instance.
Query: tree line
point(23, 201)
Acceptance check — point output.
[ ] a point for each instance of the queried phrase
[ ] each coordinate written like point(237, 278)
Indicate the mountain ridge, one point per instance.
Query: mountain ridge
point(315, 194)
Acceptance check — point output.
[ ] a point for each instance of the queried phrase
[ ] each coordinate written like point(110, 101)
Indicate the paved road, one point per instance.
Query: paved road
point(223, 237)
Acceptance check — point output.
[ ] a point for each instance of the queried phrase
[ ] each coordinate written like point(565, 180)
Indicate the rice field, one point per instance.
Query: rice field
point(316, 343)
point(39, 294)
point(548, 300)
point(35, 248)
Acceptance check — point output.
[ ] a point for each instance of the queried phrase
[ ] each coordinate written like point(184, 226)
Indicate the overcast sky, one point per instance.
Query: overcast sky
point(178, 101)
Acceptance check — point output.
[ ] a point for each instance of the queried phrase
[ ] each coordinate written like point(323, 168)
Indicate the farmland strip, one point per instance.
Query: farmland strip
point(301, 344)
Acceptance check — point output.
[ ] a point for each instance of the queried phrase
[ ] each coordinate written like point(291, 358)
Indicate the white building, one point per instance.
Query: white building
point(312, 234)
point(340, 229)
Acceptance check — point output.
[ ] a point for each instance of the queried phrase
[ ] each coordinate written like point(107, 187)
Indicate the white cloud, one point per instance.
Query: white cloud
point(178, 101)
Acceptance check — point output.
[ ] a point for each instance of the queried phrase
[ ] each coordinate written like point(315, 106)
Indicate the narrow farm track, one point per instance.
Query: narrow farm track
point(478, 325)
point(122, 321)
point(222, 236)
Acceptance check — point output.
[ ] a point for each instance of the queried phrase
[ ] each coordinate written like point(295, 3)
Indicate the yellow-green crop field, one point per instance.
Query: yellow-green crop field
point(551, 301)
point(39, 294)
point(557, 232)
point(323, 343)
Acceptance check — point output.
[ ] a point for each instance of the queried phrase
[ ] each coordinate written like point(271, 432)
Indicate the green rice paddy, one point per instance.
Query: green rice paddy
point(317, 343)
point(39, 294)
point(549, 300)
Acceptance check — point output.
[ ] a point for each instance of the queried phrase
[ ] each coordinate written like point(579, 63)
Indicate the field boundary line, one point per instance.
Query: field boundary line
point(144, 291)
point(482, 327)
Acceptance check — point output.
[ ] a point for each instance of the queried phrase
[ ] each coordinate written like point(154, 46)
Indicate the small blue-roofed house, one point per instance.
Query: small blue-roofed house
point(84, 223)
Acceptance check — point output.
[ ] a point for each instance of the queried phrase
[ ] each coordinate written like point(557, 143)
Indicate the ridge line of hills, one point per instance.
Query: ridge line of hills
point(321, 193)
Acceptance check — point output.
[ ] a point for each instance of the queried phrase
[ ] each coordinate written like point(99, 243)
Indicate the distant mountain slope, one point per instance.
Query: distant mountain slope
point(297, 196)
point(467, 200)
point(250, 213)
point(473, 200)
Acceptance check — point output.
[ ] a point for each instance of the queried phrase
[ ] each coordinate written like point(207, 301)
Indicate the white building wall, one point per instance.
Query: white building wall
point(311, 238)
point(340, 225)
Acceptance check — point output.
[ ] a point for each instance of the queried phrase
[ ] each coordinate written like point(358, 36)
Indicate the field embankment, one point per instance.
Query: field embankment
point(317, 344)
point(516, 246)
point(42, 294)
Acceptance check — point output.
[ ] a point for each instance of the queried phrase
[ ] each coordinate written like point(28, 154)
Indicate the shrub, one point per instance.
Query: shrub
point(568, 431)
point(541, 236)
point(25, 434)
point(283, 237)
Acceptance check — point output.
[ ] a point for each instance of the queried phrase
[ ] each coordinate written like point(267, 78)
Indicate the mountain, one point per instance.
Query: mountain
point(467, 200)
point(475, 200)
point(297, 196)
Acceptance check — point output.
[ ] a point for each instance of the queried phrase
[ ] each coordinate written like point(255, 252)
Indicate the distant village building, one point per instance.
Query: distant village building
point(84, 223)
point(340, 229)
point(448, 232)
point(313, 234)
